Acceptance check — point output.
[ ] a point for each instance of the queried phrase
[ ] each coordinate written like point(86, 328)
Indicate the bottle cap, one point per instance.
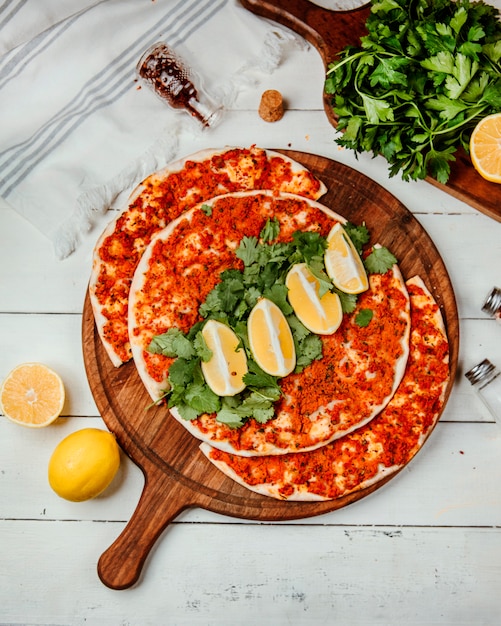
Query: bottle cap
point(493, 302)
point(481, 372)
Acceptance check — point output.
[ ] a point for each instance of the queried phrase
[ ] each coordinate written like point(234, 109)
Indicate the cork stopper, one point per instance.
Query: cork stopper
point(271, 107)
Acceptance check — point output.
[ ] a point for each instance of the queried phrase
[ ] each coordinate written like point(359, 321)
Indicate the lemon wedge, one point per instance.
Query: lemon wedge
point(343, 263)
point(320, 315)
point(270, 339)
point(226, 368)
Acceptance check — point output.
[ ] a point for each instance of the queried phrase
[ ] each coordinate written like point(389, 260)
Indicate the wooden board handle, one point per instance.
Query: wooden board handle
point(121, 564)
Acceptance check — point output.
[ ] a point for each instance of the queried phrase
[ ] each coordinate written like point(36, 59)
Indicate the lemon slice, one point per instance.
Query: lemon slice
point(226, 368)
point(485, 147)
point(270, 339)
point(32, 395)
point(343, 263)
point(83, 464)
point(320, 315)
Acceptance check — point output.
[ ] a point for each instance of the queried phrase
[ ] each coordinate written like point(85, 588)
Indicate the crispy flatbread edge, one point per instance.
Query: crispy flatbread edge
point(272, 490)
point(209, 153)
point(439, 323)
point(154, 387)
point(171, 168)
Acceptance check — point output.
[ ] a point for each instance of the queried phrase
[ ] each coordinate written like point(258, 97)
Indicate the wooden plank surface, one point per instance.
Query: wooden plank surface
point(330, 32)
point(422, 550)
point(347, 572)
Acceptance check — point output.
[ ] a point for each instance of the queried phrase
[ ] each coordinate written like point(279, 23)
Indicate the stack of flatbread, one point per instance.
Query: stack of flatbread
point(345, 421)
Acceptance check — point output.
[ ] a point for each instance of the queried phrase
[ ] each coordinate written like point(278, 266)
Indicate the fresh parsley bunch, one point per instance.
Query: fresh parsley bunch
point(424, 76)
point(266, 263)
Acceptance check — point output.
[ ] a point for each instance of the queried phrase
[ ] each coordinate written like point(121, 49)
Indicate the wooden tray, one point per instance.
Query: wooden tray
point(330, 32)
point(176, 473)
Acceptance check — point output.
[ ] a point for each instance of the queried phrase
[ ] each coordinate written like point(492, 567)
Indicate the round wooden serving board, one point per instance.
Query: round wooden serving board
point(177, 475)
point(330, 32)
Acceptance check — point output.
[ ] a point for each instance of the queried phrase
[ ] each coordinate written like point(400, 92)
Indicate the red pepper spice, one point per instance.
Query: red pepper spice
point(389, 440)
point(164, 199)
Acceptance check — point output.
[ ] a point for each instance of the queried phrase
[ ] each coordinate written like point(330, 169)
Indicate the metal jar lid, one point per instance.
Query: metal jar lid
point(484, 372)
point(492, 303)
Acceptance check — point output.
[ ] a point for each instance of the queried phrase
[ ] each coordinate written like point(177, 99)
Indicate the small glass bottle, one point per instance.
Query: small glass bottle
point(485, 379)
point(492, 304)
point(165, 72)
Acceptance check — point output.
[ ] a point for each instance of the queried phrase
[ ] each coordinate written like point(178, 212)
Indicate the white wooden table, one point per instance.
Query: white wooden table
point(424, 549)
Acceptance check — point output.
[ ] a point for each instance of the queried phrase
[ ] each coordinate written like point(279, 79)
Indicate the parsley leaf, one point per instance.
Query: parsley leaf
point(364, 317)
point(359, 235)
point(255, 377)
point(172, 343)
point(248, 250)
point(270, 230)
point(348, 301)
point(379, 261)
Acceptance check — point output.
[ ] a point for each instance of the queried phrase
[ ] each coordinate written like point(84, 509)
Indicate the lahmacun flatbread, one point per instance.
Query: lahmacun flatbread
point(373, 452)
point(361, 366)
point(162, 197)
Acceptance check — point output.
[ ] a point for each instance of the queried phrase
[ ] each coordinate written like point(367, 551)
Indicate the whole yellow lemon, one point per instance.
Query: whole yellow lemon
point(84, 464)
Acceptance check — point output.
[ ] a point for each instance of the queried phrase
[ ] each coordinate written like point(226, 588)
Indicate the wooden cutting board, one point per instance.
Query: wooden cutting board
point(330, 32)
point(177, 475)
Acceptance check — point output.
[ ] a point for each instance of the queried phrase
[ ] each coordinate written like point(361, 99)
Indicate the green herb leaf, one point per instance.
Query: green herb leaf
point(348, 300)
point(172, 343)
point(310, 349)
point(248, 250)
point(277, 293)
point(363, 317)
point(230, 417)
point(256, 377)
point(379, 261)
point(270, 230)
point(358, 234)
point(201, 348)
point(207, 209)
point(186, 412)
point(200, 397)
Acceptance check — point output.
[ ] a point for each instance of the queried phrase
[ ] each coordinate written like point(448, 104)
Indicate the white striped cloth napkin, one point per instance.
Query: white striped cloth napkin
point(75, 128)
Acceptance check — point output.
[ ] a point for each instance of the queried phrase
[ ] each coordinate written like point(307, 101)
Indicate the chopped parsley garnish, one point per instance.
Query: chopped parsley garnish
point(266, 264)
point(423, 77)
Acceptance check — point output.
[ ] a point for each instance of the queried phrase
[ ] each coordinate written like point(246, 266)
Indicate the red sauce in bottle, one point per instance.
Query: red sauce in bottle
point(162, 69)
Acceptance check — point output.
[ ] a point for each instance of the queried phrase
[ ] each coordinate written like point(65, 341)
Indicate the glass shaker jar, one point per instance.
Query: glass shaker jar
point(485, 379)
point(492, 304)
point(166, 73)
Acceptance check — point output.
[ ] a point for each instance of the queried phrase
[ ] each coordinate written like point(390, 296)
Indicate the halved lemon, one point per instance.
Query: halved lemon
point(226, 368)
point(83, 464)
point(343, 263)
point(270, 339)
point(321, 315)
point(485, 147)
point(32, 395)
